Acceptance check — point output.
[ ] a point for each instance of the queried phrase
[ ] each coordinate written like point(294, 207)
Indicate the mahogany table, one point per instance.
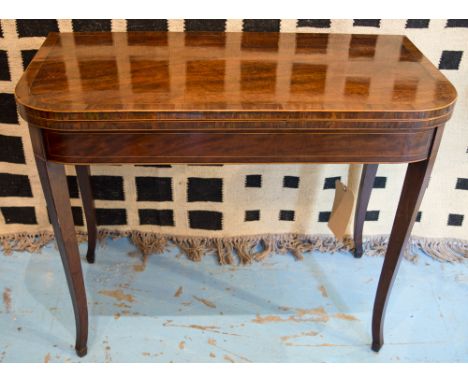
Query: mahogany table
point(204, 97)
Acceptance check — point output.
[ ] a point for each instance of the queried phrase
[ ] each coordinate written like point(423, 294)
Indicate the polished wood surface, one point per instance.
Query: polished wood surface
point(238, 147)
point(199, 97)
point(415, 184)
point(365, 189)
point(231, 76)
point(83, 177)
point(54, 185)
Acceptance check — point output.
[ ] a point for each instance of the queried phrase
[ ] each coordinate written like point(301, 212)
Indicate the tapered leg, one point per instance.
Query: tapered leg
point(54, 185)
point(365, 189)
point(83, 176)
point(414, 186)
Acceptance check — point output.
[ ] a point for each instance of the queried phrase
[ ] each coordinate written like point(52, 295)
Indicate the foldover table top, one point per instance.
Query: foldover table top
point(250, 76)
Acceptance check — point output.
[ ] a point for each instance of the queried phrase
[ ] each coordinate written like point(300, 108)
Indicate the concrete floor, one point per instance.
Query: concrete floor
point(281, 310)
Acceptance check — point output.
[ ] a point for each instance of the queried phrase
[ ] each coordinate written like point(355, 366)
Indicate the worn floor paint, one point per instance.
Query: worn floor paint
point(173, 310)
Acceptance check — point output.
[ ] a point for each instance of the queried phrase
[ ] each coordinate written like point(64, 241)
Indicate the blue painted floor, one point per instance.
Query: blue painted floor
point(281, 310)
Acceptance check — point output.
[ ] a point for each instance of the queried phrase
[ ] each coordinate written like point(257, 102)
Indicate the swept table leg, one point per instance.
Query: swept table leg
point(415, 184)
point(365, 189)
point(53, 180)
point(83, 176)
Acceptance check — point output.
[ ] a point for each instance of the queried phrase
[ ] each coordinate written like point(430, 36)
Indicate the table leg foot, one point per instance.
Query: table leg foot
point(83, 177)
point(358, 251)
point(365, 188)
point(376, 346)
point(81, 352)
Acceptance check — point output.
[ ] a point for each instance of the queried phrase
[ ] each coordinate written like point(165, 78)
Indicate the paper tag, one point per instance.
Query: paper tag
point(341, 210)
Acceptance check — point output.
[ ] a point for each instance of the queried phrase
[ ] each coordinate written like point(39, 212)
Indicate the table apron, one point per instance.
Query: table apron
point(236, 147)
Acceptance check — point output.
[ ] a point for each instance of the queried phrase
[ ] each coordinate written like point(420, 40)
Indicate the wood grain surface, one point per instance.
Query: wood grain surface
point(248, 76)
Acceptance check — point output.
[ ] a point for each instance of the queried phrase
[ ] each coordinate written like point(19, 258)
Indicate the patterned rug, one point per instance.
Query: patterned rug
point(249, 210)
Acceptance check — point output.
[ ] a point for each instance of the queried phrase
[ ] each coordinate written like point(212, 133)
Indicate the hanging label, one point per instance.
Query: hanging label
point(341, 210)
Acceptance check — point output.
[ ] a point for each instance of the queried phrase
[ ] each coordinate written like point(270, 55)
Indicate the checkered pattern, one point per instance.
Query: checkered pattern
point(234, 200)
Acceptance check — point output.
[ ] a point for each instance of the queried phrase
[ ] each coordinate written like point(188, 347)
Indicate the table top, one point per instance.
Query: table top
point(231, 76)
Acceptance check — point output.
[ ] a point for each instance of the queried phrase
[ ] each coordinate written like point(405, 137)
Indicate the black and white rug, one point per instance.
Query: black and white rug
point(206, 208)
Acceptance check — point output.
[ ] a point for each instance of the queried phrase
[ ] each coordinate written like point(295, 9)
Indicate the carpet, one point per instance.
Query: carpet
point(248, 210)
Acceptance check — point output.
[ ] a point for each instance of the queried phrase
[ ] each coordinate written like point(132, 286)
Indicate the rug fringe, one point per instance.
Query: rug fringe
point(24, 241)
point(250, 248)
